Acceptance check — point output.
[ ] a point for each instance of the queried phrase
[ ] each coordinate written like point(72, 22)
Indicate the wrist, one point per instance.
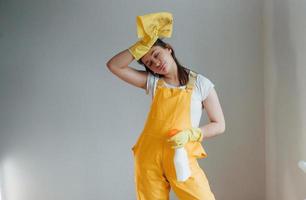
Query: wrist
point(196, 134)
point(137, 50)
point(141, 47)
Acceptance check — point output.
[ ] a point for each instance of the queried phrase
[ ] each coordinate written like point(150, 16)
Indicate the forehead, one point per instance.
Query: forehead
point(148, 54)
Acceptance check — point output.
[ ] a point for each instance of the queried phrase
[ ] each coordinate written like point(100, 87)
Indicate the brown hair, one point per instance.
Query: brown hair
point(182, 71)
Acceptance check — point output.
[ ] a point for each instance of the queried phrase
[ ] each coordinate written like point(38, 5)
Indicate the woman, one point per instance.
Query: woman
point(179, 95)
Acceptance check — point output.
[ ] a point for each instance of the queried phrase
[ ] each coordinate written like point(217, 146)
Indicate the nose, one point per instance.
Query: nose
point(157, 63)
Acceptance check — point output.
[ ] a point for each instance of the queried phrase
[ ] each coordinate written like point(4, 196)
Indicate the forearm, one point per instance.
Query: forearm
point(121, 60)
point(212, 129)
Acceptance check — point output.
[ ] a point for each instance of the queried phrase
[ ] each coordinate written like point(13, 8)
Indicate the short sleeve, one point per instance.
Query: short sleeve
point(205, 85)
point(150, 83)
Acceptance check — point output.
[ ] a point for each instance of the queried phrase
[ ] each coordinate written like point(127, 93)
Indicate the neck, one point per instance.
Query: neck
point(172, 76)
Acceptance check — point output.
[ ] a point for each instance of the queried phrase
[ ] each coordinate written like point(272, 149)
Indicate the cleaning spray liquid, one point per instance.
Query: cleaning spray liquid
point(181, 162)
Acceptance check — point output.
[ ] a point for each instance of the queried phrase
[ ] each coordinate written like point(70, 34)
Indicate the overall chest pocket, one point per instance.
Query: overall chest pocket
point(165, 104)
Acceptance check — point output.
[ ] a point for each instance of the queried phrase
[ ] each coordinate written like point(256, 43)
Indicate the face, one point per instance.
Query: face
point(158, 59)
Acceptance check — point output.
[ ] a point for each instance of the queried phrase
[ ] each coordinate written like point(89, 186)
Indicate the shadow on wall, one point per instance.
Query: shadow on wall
point(287, 107)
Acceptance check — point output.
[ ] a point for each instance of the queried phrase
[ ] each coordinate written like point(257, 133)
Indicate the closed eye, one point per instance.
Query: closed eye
point(148, 63)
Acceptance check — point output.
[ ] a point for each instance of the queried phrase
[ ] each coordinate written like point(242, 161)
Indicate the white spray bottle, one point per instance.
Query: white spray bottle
point(181, 162)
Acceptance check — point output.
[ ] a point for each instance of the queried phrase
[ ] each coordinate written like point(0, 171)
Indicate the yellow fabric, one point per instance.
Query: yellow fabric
point(153, 155)
point(141, 47)
point(153, 24)
point(150, 27)
point(186, 135)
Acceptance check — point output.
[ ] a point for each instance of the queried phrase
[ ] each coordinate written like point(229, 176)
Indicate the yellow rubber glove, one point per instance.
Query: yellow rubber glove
point(186, 135)
point(150, 27)
point(141, 47)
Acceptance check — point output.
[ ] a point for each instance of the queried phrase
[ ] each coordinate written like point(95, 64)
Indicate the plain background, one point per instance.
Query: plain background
point(67, 124)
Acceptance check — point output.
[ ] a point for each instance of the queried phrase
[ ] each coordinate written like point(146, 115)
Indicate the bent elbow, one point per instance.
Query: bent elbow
point(108, 64)
point(222, 128)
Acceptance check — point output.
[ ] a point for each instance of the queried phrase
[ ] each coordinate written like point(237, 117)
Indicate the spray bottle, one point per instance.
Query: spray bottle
point(181, 162)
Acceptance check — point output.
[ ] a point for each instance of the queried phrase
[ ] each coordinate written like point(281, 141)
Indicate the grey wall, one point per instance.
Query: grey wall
point(285, 97)
point(67, 124)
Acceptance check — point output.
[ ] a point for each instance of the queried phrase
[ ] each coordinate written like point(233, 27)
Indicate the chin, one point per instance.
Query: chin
point(163, 72)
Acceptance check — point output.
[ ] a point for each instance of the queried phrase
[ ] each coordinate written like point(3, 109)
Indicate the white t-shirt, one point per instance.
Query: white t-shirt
point(200, 92)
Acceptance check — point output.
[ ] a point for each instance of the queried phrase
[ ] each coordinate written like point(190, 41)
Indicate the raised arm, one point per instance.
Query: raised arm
point(118, 65)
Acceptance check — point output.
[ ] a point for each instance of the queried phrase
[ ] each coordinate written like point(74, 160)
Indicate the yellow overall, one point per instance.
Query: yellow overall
point(153, 155)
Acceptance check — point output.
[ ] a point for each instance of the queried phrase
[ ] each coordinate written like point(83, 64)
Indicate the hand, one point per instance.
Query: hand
point(150, 27)
point(186, 135)
point(141, 47)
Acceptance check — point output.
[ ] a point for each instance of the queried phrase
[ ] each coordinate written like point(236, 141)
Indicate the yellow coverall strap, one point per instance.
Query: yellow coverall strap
point(192, 80)
point(189, 86)
point(160, 83)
